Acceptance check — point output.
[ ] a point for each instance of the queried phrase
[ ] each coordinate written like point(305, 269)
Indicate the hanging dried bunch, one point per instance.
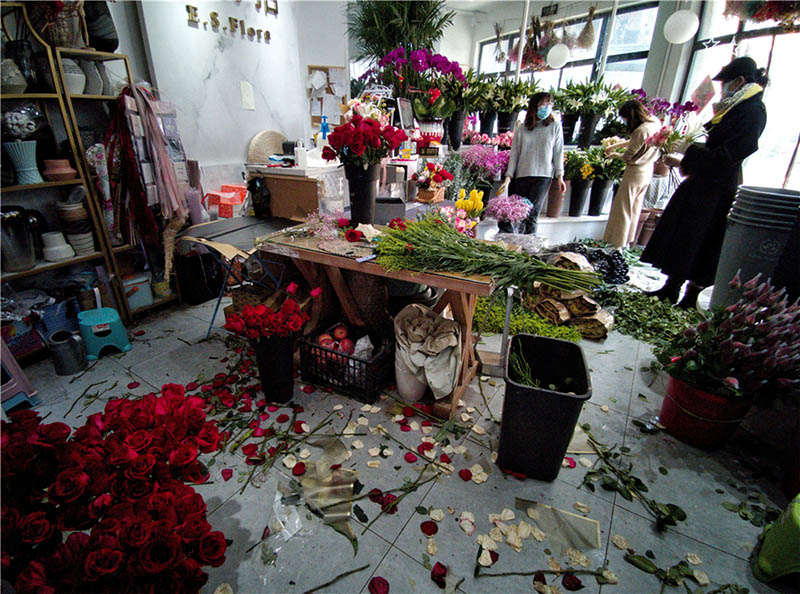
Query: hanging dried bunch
point(499, 54)
point(566, 38)
point(586, 37)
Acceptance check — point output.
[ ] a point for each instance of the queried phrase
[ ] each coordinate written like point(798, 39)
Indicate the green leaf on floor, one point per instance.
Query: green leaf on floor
point(663, 470)
point(650, 554)
point(731, 507)
point(359, 514)
point(426, 561)
point(642, 563)
point(612, 399)
point(358, 486)
point(421, 510)
point(642, 397)
point(720, 491)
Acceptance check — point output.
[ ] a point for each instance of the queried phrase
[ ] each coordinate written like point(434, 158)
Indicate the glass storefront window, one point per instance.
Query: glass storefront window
point(714, 22)
point(633, 31)
point(707, 62)
point(628, 74)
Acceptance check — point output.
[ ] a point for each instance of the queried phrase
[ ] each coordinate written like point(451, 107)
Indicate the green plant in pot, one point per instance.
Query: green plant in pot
point(605, 172)
point(512, 97)
point(485, 96)
point(578, 172)
point(747, 353)
point(458, 93)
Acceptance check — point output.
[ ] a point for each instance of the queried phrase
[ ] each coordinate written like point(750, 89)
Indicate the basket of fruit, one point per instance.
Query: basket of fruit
point(343, 359)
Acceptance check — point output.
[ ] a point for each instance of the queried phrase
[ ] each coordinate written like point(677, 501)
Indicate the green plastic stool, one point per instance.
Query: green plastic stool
point(101, 328)
point(780, 546)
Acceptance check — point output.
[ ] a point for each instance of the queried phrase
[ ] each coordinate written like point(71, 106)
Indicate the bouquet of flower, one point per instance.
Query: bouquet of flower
point(504, 140)
point(472, 205)
point(591, 97)
point(366, 107)
point(509, 209)
point(433, 176)
point(486, 162)
point(433, 106)
point(603, 167)
point(576, 165)
point(260, 321)
point(106, 508)
point(362, 141)
point(459, 219)
point(787, 14)
point(750, 349)
point(670, 140)
point(662, 108)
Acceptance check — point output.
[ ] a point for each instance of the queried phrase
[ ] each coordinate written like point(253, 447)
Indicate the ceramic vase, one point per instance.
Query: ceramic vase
point(23, 156)
point(11, 78)
point(74, 78)
point(58, 170)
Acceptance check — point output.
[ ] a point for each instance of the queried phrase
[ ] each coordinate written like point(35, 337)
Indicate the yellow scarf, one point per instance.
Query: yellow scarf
point(724, 106)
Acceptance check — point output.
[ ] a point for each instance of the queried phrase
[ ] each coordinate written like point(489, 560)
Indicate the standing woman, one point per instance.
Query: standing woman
point(687, 242)
point(537, 156)
point(627, 206)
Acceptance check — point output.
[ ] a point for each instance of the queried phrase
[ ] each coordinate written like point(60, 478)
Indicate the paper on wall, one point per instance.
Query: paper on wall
point(330, 108)
point(248, 97)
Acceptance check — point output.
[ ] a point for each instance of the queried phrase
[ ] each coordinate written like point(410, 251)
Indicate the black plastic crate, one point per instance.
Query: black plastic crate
point(363, 379)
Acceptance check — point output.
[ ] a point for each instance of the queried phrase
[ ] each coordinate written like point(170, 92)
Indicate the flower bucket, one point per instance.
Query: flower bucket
point(700, 418)
point(568, 123)
point(487, 122)
point(578, 195)
point(555, 200)
point(506, 121)
point(363, 191)
point(275, 360)
point(586, 133)
point(455, 125)
point(599, 196)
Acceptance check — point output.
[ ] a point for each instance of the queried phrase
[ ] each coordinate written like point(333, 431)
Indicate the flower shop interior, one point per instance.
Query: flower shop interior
point(372, 296)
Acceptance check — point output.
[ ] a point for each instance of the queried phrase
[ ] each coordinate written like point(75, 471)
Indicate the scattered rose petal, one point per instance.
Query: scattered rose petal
point(571, 582)
point(335, 467)
point(374, 451)
point(309, 389)
point(305, 453)
point(605, 409)
point(139, 333)
point(701, 577)
point(414, 426)
point(436, 514)
point(299, 469)
point(405, 428)
point(350, 429)
point(693, 559)
point(438, 574)
point(445, 458)
point(460, 449)
point(585, 461)
point(259, 432)
point(410, 458)
point(465, 417)
point(495, 534)
point(524, 530)
point(282, 418)
point(538, 534)
point(133, 385)
point(486, 542)
point(290, 461)
point(273, 408)
point(467, 526)
point(263, 416)
point(576, 557)
point(478, 430)
point(300, 427)
point(363, 421)
point(387, 506)
point(609, 577)
point(340, 407)
point(465, 515)
point(620, 542)
point(374, 463)
point(553, 564)
point(387, 452)
point(191, 386)
point(465, 474)
point(507, 515)
point(249, 449)
point(485, 558)
point(582, 507)
point(409, 411)
point(513, 539)
point(358, 444)
point(426, 423)
point(376, 496)
point(366, 408)
point(540, 584)
point(429, 527)
point(493, 457)
point(431, 547)
point(226, 473)
point(378, 585)
point(568, 462)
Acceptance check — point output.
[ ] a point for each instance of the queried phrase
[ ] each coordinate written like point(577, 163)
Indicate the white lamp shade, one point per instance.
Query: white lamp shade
point(558, 55)
point(681, 26)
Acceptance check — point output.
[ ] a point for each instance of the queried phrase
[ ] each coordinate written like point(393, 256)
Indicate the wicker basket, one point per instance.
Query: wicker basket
point(249, 295)
point(430, 196)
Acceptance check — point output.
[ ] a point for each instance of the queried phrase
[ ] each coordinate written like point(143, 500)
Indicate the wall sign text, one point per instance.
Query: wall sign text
point(233, 25)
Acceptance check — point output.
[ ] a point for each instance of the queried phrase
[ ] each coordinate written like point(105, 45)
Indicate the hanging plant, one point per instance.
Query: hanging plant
point(499, 54)
point(586, 37)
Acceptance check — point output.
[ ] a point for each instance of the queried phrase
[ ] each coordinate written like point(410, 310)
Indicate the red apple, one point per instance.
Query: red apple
point(324, 338)
point(340, 332)
point(348, 346)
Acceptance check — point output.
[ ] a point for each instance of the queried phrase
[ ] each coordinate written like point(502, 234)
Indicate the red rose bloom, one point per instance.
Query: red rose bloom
point(387, 506)
point(438, 574)
point(208, 437)
point(101, 563)
point(159, 555)
point(53, 433)
point(138, 533)
point(328, 153)
point(211, 550)
point(194, 527)
point(140, 468)
point(378, 585)
point(437, 178)
point(33, 579)
point(35, 528)
point(184, 455)
point(353, 236)
point(69, 485)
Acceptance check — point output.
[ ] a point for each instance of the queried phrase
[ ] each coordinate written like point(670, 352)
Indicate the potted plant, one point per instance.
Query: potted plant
point(567, 107)
point(486, 95)
point(458, 93)
point(507, 210)
point(431, 182)
point(605, 172)
point(747, 353)
point(360, 142)
point(512, 96)
point(592, 100)
point(578, 172)
point(430, 110)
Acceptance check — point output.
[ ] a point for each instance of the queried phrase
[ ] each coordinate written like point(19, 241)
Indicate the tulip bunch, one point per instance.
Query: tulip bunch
point(472, 205)
point(750, 349)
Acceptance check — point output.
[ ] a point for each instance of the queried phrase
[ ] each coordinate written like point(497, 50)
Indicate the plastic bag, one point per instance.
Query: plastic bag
point(22, 121)
point(530, 244)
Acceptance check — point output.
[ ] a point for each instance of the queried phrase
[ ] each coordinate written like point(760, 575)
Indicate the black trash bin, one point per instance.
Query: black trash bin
point(538, 423)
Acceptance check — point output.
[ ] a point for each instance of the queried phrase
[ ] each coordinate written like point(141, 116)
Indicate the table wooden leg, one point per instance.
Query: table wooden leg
point(324, 307)
point(346, 300)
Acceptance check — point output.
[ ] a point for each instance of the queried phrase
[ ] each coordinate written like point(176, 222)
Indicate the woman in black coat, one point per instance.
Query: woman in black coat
point(686, 243)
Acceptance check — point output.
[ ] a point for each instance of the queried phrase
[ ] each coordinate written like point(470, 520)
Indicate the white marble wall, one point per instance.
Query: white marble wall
point(200, 70)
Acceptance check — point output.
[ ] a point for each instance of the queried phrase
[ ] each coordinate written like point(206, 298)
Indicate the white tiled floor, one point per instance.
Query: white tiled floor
point(173, 349)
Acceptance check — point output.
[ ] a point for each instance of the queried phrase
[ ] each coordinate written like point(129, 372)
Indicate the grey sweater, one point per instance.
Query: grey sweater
point(538, 152)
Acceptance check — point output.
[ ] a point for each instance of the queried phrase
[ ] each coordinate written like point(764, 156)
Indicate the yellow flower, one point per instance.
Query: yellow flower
point(467, 205)
point(461, 193)
point(586, 170)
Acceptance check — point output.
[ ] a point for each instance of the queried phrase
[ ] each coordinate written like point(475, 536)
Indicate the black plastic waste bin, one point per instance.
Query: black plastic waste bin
point(538, 423)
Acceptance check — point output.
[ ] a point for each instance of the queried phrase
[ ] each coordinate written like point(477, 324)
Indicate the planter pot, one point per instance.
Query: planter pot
point(700, 418)
point(58, 170)
point(11, 78)
point(487, 122)
point(275, 360)
point(578, 196)
point(455, 128)
point(23, 157)
point(537, 423)
point(74, 78)
point(599, 196)
point(555, 200)
point(506, 121)
point(431, 131)
point(568, 123)
point(363, 190)
point(588, 125)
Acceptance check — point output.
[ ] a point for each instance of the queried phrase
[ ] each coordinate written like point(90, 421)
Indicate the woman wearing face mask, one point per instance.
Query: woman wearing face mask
point(537, 156)
point(686, 243)
point(627, 206)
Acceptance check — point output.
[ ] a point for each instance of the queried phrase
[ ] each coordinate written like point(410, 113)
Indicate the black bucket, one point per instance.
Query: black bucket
point(538, 423)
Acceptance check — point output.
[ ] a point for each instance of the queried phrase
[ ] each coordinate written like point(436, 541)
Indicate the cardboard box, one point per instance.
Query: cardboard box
point(239, 189)
point(292, 197)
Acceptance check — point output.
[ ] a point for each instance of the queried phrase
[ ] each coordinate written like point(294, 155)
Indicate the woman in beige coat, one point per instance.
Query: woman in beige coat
point(627, 206)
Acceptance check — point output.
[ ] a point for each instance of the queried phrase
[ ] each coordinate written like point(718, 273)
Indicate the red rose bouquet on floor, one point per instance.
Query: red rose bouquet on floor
point(106, 509)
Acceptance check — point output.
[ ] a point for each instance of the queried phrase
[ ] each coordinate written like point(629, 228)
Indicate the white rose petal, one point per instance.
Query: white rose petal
point(478, 430)
point(484, 378)
point(524, 530)
point(350, 429)
point(609, 576)
point(398, 418)
point(436, 515)
point(427, 430)
point(485, 559)
point(538, 534)
point(366, 408)
point(374, 409)
point(374, 463)
point(460, 449)
point(582, 507)
point(414, 426)
point(620, 542)
point(533, 513)
point(553, 564)
point(514, 541)
point(576, 557)
point(445, 467)
point(387, 452)
point(495, 534)
point(450, 510)
point(374, 451)
point(465, 417)
point(604, 408)
point(486, 542)
point(369, 231)
point(476, 469)
point(494, 518)
point(701, 577)
point(470, 409)
point(431, 548)
point(305, 427)
point(465, 515)
point(358, 444)
point(305, 453)
point(428, 440)
point(503, 528)
point(584, 461)
point(448, 449)
point(378, 429)
point(363, 421)
point(507, 515)
point(338, 407)
point(493, 457)
point(479, 478)
point(467, 526)
point(693, 559)
point(289, 461)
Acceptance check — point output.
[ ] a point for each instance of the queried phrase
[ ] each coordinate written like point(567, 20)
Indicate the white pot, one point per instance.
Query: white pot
point(53, 239)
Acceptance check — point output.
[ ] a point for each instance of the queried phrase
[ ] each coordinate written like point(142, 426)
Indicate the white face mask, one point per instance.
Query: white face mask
point(729, 88)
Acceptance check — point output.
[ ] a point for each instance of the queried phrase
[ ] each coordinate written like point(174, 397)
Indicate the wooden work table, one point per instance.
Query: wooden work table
point(461, 292)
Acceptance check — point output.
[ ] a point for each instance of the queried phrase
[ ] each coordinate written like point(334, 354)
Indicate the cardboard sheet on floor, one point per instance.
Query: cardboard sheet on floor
point(564, 529)
point(580, 442)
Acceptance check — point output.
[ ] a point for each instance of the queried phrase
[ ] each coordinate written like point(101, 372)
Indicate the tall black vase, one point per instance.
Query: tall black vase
point(455, 128)
point(588, 125)
point(599, 196)
point(578, 196)
point(487, 122)
point(275, 360)
point(363, 190)
point(506, 121)
point(568, 123)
